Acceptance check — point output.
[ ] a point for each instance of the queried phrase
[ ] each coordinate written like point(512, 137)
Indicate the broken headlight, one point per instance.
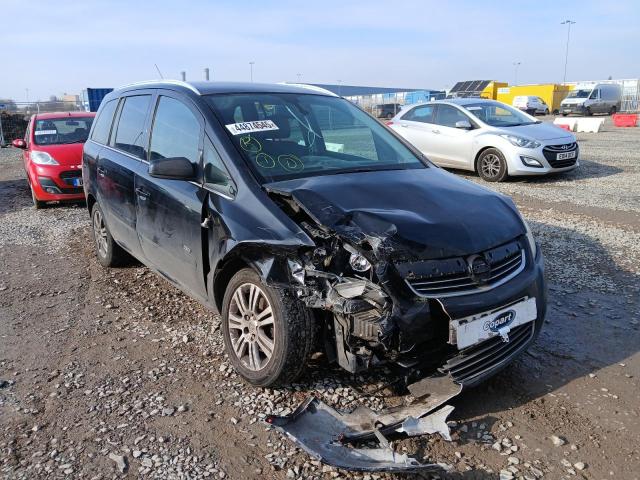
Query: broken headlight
point(358, 262)
point(530, 239)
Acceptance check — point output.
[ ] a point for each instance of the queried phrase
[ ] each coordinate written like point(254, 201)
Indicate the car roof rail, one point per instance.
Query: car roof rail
point(160, 83)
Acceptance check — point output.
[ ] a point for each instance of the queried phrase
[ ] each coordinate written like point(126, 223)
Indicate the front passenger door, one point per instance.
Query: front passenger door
point(169, 212)
point(452, 145)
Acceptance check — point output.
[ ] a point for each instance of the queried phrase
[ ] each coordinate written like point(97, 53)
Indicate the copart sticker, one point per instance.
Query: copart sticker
point(249, 127)
point(45, 132)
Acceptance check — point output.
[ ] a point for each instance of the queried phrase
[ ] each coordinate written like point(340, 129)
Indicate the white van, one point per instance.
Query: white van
point(600, 98)
point(531, 104)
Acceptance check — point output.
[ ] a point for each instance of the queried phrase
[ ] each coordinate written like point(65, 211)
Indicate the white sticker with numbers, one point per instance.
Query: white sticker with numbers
point(250, 127)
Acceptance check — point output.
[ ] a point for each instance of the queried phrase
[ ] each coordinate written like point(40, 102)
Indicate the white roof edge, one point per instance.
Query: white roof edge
point(153, 82)
point(309, 87)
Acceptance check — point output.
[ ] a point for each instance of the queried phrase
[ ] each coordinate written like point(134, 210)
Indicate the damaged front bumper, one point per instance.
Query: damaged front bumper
point(336, 438)
point(391, 321)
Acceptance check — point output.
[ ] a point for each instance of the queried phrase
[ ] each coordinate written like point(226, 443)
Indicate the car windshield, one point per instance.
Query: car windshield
point(499, 115)
point(284, 136)
point(579, 94)
point(58, 131)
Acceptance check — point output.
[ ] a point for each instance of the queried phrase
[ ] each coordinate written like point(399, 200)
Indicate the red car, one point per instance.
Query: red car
point(53, 155)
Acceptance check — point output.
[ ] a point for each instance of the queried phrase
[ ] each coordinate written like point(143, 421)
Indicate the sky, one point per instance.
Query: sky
point(64, 46)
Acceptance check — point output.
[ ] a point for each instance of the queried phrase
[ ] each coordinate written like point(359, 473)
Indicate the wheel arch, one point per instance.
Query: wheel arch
point(91, 201)
point(271, 266)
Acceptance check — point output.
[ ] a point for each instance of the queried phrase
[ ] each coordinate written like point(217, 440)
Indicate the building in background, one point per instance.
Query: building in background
point(382, 102)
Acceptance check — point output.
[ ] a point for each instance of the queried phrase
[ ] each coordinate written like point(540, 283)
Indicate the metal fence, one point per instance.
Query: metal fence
point(14, 116)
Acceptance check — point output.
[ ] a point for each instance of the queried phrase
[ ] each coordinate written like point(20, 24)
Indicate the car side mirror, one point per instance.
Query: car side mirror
point(464, 125)
point(19, 143)
point(175, 168)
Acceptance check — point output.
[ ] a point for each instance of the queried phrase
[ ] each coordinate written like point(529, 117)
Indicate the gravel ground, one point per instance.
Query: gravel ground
point(116, 374)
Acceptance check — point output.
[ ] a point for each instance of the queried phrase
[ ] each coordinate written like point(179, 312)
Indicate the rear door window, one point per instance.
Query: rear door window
point(129, 136)
point(103, 122)
point(175, 132)
point(448, 116)
point(423, 113)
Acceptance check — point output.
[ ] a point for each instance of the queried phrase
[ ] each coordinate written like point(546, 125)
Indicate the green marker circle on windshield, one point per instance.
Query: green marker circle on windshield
point(250, 144)
point(291, 163)
point(265, 160)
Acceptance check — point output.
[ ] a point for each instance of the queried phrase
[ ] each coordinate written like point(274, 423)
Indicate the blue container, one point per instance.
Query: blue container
point(95, 96)
point(421, 96)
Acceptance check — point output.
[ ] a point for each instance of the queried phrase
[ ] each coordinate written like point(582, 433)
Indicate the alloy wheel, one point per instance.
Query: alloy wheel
point(100, 233)
point(251, 326)
point(490, 165)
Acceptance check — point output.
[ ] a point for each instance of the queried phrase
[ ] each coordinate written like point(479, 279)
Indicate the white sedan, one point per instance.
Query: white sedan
point(488, 137)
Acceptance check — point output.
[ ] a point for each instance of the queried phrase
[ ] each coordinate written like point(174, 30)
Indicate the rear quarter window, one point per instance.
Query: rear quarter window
point(103, 122)
point(129, 135)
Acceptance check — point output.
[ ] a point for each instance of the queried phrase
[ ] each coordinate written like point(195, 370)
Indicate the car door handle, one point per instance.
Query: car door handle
point(435, 131)
point(102, 171)
point(404, 125)
point(142, 193)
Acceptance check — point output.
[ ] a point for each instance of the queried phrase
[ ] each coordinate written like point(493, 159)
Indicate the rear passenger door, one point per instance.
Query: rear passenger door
point(118, 164)
point(169, 212)
point(416, 125)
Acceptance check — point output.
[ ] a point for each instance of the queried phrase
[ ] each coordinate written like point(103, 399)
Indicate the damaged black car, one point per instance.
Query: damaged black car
point(309, 226)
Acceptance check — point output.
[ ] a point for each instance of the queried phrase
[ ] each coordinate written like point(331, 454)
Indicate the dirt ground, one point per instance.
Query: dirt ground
point(116, 374)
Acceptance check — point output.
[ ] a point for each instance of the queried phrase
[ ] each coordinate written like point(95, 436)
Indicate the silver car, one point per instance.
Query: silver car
point(489, 137)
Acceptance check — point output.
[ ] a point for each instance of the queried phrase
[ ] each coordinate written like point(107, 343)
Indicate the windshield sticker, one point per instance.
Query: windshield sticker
point(45, 132)
point(250, 144)
point(334, 147)
point(265, 161)
point(249, 127)
point(291, 163)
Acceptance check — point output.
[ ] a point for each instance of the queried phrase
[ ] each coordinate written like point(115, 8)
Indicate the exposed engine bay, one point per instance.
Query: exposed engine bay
point(364, 280)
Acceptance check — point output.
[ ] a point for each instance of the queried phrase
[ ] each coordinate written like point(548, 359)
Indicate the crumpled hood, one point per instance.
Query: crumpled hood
point(421, 214)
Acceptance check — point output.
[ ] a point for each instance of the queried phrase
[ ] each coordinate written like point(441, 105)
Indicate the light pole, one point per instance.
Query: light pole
point(299, 75)
point(568, 23)
point(516, 65)
point(251, 66)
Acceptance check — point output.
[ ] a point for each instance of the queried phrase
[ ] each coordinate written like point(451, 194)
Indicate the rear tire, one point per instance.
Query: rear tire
point(492, 166)
point(268, 333)
point(613, 110)
point(109, 253)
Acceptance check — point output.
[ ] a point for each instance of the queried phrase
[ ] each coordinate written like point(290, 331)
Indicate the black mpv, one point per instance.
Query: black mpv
point(311, 227)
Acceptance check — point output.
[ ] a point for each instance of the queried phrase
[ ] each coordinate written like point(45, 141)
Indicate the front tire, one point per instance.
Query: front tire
point(268, 333)
point(109, 253)
point(37, 204)
point(492, 166)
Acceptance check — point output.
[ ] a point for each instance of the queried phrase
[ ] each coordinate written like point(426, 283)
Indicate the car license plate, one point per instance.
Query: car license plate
point(473, 329)
point(77, 182)
point(565, 155)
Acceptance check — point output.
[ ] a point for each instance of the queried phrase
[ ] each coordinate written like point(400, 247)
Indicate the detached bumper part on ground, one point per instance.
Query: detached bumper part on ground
point(337, 439)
